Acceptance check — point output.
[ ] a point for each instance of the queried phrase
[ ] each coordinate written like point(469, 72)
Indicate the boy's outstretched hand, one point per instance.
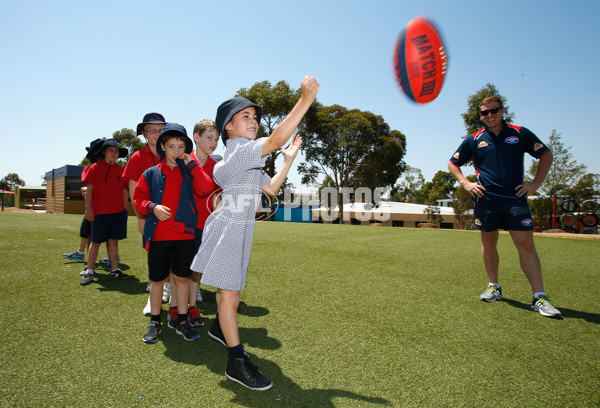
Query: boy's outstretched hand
point(309, 87)
point(290, 152)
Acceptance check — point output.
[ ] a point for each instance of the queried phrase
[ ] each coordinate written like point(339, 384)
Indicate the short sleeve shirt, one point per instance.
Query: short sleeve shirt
point(108, 185)
point(139, 162)
point(498, 160)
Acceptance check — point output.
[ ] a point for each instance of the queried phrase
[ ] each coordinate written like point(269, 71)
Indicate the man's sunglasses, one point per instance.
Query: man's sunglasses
point(488, 111)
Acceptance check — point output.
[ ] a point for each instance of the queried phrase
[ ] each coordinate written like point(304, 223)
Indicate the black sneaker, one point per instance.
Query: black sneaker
point(216, 334)
point(117, 274)
point(185, 329)
point(194, 317)
point(152, 333)
point(243, 372)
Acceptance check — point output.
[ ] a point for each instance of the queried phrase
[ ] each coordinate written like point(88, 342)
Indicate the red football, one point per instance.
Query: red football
point(420, 60)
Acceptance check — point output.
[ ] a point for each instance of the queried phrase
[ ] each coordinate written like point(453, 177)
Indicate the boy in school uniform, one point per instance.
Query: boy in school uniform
point(165, 195)
point(105, 207)
point(227, 239)
point(85, 229)
point(206, 139)
point(150, 128)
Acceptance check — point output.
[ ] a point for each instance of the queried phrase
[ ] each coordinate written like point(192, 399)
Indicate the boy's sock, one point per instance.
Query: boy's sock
point(78, 252)
point(494, 284)
point(181, 318)
point(236, 351)
point(155, 318)
point(538, 295)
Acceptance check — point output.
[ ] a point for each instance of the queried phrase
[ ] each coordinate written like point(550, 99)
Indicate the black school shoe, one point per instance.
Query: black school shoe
point(243, 372)
point(117, 274)
point(216, 334)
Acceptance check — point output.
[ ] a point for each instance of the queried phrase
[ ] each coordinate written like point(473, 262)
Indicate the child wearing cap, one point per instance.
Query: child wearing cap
point(105, 207)
point(165, 195)
point(227, 239)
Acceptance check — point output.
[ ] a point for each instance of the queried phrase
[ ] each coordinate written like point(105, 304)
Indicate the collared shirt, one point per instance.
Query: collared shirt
point(108, 185)
point(498, 160)
point(204, 204)
point(140, 161)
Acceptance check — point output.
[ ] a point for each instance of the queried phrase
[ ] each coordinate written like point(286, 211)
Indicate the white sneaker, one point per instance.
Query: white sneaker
point(166, 292)
point(199, 298)
point(82, 273)
point(148, 309)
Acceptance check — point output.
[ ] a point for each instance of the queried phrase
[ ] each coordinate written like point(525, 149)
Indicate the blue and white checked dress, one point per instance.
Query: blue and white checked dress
point(227, 238)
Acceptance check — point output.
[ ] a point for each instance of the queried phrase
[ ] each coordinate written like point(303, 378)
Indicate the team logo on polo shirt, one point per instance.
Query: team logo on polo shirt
point(478, 222)
point(527, 222)
point(456, 155)
point(538, 146)
point(512, 140)
point(483, 143)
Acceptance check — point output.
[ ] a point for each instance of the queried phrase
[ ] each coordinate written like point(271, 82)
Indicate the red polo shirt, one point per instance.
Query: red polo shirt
point(204, 204)
point(108, 185)
point(138, 163)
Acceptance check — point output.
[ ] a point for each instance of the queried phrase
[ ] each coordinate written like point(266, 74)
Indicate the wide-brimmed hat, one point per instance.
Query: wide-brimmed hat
point(229, 108)
point(150, 118)
point(173, 128)
point(113, 143)
point(94, 149)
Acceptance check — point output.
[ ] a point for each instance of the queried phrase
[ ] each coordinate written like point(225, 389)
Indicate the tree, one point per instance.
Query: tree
point(463, 205)
point(10, 181)
point(587, 187)
point(471, 117)
point(441, 185)
point(352, 147)
point(564, 171)
point(275, 103)
point(411, 182)
point(129, 140)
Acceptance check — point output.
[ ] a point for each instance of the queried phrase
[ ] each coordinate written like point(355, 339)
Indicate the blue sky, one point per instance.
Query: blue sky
point(75, 71)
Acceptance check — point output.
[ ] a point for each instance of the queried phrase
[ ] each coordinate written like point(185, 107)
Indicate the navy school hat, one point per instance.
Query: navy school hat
point(229, 108)
point(176, 128)
point(94, 149)
point(150, 118)
point(113, 143)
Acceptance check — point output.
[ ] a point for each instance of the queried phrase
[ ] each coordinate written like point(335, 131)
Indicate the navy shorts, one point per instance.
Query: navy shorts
point(490, 216)
point(85, 230)
point(109, 226)
point(173, 256)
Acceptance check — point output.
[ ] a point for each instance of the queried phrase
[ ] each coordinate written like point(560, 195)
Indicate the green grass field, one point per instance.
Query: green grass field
point(335, 315)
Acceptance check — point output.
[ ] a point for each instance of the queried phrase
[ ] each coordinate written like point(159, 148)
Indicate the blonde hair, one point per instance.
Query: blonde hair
point(491, 99)
point(204, 125)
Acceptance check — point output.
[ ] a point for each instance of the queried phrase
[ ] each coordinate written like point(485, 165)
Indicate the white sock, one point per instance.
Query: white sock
point(538, 295)
point(78, 252)
point(495, 284)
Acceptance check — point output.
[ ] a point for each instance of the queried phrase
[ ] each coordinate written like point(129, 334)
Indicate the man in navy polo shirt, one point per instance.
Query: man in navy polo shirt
point(500, 195)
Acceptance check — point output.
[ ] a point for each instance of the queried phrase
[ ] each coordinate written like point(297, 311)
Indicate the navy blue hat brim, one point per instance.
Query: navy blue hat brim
point(152, 118)
point(174, 129)
point(113, 143)
point(227, 110)
point(94, 149)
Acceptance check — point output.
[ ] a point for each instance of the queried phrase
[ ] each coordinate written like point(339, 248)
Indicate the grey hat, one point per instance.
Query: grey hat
point(229, 108)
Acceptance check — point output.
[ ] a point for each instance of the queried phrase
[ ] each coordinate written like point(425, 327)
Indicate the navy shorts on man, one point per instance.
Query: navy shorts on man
point(109, 226)
point(492, 216)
